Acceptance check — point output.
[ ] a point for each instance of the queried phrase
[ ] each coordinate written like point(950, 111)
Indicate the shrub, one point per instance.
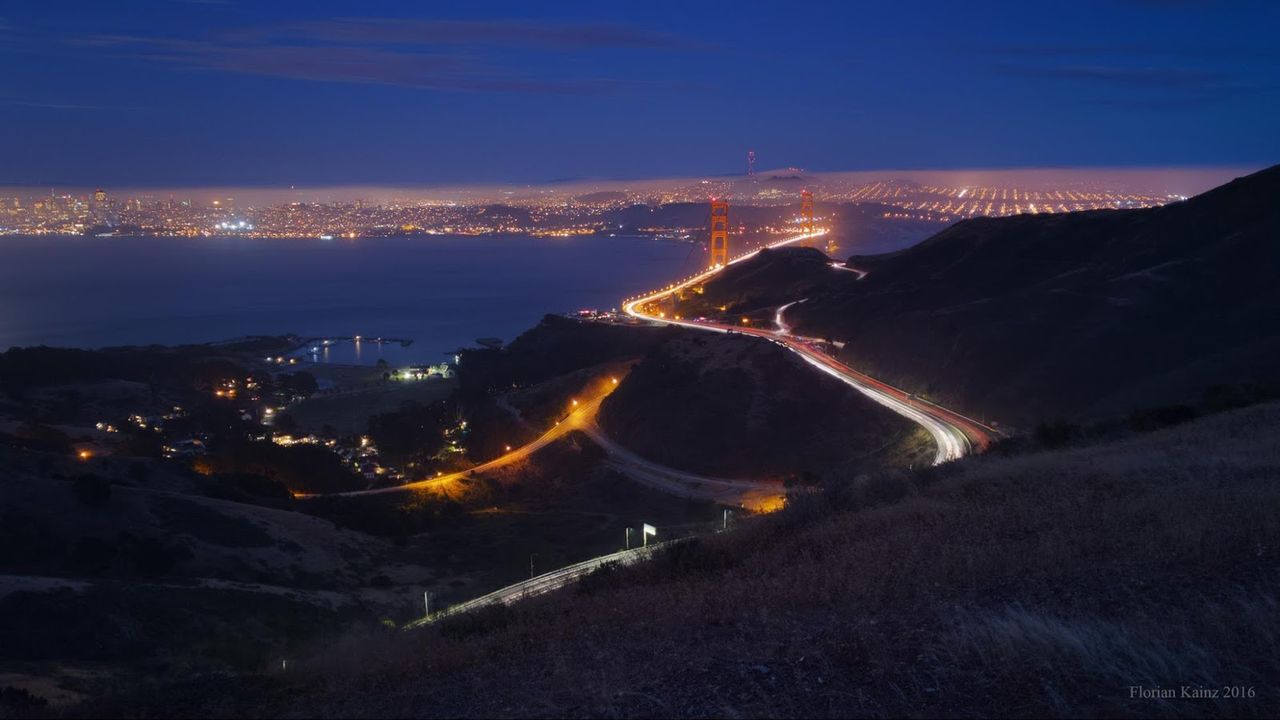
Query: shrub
point(20, 700)
point(93, 555)
point(150, 556)
point(1056, 433)
point(1149, 419)
point(92, 490)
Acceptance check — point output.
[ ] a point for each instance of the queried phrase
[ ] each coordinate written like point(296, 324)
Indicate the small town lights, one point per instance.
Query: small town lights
point(84, 455)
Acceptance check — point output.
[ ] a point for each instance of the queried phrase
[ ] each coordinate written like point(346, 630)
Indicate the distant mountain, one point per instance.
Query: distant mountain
point(603, 197)
point(1033, 316)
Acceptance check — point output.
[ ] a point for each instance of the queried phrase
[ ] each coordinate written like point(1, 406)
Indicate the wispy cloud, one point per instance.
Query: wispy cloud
point(1156, 87)
point(1143, 74)
point(1135, 50)
point(425, 54)
point(66, 106)
point(500, 33)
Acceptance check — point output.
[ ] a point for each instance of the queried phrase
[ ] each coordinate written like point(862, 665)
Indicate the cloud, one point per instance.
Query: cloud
point(65, 105)
point(350, 64)
point(500, 33)
point(1149, 87)
point(1146, 77)
point(1184, 52)
point(427, 54)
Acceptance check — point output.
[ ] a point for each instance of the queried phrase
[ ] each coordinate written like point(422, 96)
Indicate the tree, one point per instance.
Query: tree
point(92, 490)
point(286, 423)
point(299, 383)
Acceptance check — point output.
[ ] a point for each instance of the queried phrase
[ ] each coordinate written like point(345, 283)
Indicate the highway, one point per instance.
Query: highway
point(954, 435)
point(755, 495)
point(541, 584)
point(582, 415)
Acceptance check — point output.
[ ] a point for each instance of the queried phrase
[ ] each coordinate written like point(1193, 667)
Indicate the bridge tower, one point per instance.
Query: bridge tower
point(806, 212)
point(719, 233)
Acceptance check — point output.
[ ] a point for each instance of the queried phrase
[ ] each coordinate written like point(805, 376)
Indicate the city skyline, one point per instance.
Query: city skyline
point(178, 94)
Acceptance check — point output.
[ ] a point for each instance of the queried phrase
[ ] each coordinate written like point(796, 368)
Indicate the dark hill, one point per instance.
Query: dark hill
point(776, 277)
point(733, 406)
point(1038, 585)
point(1094, 312)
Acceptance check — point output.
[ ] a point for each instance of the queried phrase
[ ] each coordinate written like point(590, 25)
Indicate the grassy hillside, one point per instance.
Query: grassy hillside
point(734, 406)
point(1040, 316)
point(1082, 313)
point(756, 287)
point(1047, 583)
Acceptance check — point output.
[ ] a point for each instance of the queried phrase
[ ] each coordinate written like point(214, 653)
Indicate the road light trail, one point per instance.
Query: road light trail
point(541, 584)
point(583, 413)
point(757, 495)
point(953, 434)
point(779, 322)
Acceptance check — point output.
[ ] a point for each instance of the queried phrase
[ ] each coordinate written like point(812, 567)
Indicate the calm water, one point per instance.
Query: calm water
point(442, 291)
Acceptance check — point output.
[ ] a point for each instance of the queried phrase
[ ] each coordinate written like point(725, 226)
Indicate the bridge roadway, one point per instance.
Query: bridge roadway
point(953, 434)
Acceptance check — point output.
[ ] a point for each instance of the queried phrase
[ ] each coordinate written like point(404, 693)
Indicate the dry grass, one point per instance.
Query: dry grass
point(1045, 584)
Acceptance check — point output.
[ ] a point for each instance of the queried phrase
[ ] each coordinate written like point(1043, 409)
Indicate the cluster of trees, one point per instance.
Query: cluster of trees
point(257, 466)
point(414, 433)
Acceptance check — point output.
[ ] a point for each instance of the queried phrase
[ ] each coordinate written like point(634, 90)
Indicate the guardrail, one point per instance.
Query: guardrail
point(544, 583)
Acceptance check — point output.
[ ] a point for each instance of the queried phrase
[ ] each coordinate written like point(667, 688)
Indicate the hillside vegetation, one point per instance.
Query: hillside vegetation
point(733, 406)
point(1034, 317)
point(1080, 313)
point(1049, 583)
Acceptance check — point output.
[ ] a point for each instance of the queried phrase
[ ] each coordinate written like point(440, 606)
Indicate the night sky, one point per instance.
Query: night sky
point(317, 93)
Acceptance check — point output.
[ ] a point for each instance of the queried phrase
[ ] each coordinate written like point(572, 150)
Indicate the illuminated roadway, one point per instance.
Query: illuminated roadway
point(953, 434)
point(583, 414)
point(532, 587)
point(759, 495)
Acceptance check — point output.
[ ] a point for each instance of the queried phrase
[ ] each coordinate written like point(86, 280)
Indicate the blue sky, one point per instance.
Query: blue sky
point(164, 92)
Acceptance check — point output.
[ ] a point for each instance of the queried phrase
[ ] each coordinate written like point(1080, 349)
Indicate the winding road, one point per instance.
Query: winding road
point(953, 434)
point(756, 495)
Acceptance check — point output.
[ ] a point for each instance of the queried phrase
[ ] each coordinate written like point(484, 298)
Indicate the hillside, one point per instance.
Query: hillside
point(1041, 584)
point(1028, 317)
point(732, 406)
